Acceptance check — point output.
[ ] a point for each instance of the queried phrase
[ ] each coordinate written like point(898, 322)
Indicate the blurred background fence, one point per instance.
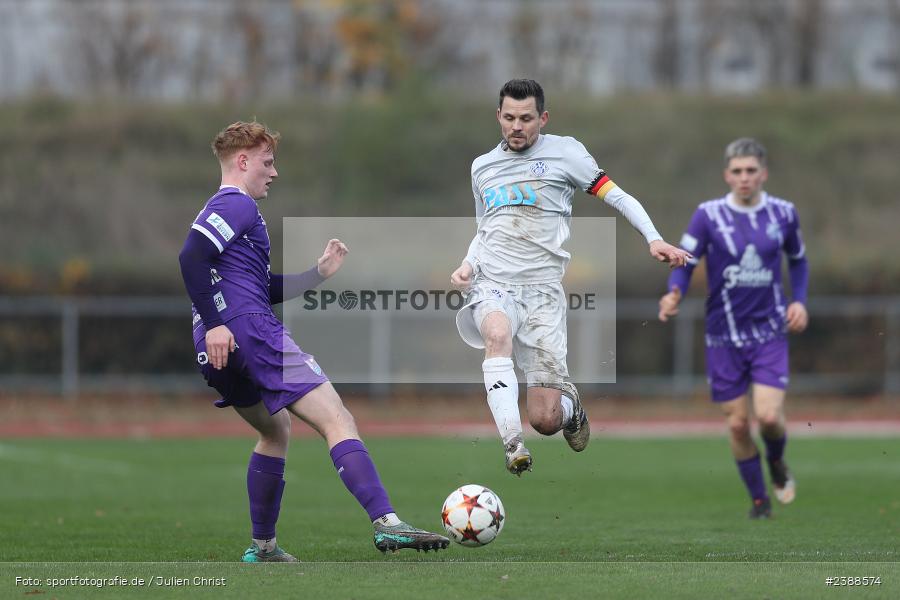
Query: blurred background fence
point(108, 344)
point(251, 49)
point(108, 107)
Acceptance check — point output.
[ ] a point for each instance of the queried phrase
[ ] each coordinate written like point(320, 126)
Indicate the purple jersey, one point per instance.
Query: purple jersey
point(240, 275)
point(743, 246)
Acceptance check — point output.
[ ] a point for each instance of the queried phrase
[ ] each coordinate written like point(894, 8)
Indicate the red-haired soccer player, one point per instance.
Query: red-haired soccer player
point(247, 355)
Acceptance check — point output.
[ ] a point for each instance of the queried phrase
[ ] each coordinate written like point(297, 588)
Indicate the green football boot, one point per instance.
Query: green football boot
point(254, 554)
point(402, 535)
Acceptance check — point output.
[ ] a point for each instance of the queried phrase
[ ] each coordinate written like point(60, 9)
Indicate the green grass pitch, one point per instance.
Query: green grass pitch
point(627, 518)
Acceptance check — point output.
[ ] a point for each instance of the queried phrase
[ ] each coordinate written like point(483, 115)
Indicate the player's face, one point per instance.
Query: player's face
point(258, 165)
point(745, 176)
point(520, 123)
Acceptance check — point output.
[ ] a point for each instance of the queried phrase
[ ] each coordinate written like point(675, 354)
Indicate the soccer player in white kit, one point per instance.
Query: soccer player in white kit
point(524, 190)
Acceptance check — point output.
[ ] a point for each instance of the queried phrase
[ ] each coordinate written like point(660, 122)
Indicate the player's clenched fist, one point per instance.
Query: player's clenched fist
point(461, 278)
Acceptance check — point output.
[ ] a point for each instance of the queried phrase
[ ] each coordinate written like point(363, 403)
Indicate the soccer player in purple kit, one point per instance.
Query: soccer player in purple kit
point(248, 356)
point(743, 236)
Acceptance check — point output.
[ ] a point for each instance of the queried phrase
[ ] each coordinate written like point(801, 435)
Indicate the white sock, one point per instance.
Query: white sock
point(568, 407)
point(503, 396)
point(388, 519)
point(265, 545)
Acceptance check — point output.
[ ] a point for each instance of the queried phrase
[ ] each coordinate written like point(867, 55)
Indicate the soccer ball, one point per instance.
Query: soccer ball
point(473, 515)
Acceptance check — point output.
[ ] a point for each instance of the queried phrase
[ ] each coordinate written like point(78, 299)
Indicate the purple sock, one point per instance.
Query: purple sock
point(751, 473)
point(357, 471)
point(775, 448)
point(265, 487)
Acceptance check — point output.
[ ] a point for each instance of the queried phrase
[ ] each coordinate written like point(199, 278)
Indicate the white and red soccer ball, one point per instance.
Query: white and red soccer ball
point(473, 515)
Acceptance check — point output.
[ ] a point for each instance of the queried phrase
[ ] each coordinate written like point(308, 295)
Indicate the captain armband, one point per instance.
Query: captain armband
point(601, 185)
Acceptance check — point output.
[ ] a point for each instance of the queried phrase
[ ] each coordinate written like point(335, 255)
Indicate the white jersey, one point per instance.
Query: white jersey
point(523, 207)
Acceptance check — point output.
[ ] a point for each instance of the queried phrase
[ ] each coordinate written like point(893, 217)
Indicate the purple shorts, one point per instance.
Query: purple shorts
point(266, 365)
point(731, 370)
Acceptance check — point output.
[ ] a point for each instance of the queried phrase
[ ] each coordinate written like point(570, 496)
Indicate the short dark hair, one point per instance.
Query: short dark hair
point(520, 89)
point(745, 147)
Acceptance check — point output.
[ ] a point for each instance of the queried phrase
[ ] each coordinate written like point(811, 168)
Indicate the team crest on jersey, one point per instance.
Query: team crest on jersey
point(773, 230)
point(312, 364)
point(538, 169)
point(750, 273)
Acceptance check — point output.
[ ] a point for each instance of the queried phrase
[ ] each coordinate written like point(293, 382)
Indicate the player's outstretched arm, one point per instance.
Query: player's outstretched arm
point(668, 304)
point(332, 259)
point(461, 278)
point(286, 287)
point(667, 253)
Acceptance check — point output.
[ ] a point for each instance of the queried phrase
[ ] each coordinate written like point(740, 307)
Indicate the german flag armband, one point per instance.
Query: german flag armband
point(601, 185)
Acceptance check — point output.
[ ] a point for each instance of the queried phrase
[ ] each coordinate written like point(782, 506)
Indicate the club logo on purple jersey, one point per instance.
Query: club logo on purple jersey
point(539, 168)
point(773, 230)
point(750, 273)
point(312, 364)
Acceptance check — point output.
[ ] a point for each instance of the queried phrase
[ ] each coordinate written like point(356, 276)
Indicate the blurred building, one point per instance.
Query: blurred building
point(206, 49)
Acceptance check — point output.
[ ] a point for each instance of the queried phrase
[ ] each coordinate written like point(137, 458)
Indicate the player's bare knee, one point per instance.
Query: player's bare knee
point(278, 430)
point(739, 427)
point(770, 423)
point(346, 419)
point(545, 423)
point(340, 425)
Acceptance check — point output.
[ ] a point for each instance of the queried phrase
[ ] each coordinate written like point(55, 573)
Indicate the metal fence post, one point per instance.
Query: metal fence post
point(69, 375)
point(683, 349)
point(379, 353)
point(892, 349)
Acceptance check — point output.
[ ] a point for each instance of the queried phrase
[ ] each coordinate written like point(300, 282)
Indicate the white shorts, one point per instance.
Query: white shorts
point(537, 318)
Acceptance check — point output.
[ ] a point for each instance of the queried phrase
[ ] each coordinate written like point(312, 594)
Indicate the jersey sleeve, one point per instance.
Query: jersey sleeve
point(696, 237)
point(798, 267)
point(226, 218)
point(583, 171)
point(283, 287)
point(793, 241)
point(472, 251)
point(694, 240)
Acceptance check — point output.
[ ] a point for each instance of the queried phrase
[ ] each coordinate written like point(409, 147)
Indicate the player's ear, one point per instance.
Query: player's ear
point(545, 116)
point(765, 174)
point(241, 160)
